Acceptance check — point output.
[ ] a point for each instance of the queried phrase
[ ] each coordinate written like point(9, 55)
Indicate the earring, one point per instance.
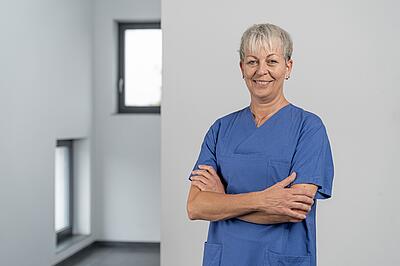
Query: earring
point(287, 77)
point(242, 76)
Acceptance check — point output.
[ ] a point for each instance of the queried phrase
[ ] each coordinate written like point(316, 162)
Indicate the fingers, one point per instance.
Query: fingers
point(209, 168)
point(203, 183)
point(287, 218)
point(303, 199)
point(285, 182)
point(301, 191)
point(200, 178)
point(207, 171)
point(204, 173)
point(300, 206)
point(300, 211)
point(211, 178)
point(295, 215)
point(199, 184)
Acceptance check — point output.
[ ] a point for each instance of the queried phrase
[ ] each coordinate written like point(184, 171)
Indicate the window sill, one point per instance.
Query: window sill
point(69, 242)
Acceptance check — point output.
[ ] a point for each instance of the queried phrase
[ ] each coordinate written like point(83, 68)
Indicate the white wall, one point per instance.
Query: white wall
point(127, 147)
point(45, 94)
point(345, 70)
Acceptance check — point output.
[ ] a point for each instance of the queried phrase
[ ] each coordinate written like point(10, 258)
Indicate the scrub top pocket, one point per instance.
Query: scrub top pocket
point(277, 170)
point(275, 259)
point(212, 254)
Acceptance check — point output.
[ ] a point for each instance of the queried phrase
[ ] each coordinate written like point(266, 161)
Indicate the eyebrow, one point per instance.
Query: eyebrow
point(257, 57)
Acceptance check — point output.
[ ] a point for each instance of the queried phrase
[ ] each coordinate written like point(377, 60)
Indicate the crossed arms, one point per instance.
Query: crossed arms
point(207, 200)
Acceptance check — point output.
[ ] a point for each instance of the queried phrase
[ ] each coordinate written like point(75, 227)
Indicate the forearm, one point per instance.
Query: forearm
point(213, 206)
point(260, 217)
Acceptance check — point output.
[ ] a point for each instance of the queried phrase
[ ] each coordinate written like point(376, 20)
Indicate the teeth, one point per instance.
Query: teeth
point(262, 82)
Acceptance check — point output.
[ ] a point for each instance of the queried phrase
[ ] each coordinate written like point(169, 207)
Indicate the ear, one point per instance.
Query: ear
point(289, 65)
point(241, 67)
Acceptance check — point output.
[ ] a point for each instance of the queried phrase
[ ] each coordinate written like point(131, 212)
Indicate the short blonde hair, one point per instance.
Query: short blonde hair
point(262, 36)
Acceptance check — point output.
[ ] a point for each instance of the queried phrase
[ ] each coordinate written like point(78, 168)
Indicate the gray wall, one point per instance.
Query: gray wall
point(126, 153)
point(45, 94)
point(58, 67)
point(345, 70)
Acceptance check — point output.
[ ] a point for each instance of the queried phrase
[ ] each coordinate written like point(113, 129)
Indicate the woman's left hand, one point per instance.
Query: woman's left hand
point(207, 179)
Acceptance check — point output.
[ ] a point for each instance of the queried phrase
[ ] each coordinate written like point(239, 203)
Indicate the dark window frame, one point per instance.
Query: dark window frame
point(122, 108)
point(67, 232)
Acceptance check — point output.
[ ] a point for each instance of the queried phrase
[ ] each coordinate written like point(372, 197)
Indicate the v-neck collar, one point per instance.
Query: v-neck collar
point(249, 115)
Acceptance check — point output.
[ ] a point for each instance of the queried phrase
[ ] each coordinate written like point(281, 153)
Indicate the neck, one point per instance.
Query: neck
point(262, 109)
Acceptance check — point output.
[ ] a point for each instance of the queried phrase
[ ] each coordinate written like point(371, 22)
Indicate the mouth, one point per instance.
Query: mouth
point(262, 82)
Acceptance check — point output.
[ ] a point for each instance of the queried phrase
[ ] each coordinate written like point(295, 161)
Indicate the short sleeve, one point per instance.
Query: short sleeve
point(312, 160)
point(207, 153)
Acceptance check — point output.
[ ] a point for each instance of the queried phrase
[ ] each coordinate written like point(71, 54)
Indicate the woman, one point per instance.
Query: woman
point(260, 168)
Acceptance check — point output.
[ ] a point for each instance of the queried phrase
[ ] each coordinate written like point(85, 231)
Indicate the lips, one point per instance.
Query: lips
point(261, 82)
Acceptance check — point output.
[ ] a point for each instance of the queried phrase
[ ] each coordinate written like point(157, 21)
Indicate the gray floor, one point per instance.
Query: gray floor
point(116, 254)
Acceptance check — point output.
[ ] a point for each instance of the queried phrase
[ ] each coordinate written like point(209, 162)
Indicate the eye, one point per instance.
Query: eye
point(252, 62)
point(272, 62)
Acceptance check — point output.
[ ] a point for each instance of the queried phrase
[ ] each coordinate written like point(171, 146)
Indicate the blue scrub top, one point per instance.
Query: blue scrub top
point(248, 159)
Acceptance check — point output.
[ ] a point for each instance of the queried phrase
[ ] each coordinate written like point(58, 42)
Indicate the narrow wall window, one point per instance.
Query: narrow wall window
point(63, 189)
point(140, 52)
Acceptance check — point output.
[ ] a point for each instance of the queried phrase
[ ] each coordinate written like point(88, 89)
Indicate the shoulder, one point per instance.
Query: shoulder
point(307, 120)
point(225, 120)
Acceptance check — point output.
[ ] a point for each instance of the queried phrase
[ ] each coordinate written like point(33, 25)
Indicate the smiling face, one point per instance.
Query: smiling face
point(264, 71)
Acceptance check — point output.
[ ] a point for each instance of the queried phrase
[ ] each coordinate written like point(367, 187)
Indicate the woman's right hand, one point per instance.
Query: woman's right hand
point(293, 202)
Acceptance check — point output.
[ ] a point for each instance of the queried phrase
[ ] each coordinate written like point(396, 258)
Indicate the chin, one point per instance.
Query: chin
point(261, 92)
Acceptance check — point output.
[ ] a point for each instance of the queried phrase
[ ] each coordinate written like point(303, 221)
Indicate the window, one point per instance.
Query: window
point(63, 189)
point(140, 52)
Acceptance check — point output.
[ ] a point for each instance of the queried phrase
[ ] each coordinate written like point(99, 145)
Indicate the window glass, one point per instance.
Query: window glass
point(143, 52)
point(62, 183)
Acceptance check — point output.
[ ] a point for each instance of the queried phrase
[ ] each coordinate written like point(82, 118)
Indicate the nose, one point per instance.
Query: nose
point(262, 68)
